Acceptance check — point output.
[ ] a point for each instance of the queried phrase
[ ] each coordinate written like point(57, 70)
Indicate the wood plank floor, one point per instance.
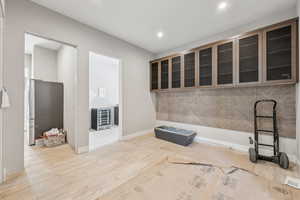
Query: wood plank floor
point(139, 169)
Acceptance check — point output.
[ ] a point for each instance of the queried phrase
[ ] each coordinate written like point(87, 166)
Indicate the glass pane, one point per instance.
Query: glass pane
point(248, 59)
point(225, 64)
point(189, 70)
point(279, 54)
point(205, 67)
point(154, 76)
point(176, 72)
point(165, 74)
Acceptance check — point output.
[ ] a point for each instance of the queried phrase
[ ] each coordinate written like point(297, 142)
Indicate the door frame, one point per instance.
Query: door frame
point(75, 80)
point(120, 83)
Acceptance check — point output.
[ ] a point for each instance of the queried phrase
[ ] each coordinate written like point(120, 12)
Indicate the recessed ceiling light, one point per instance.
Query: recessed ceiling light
point(160, 34)
point(223, 5)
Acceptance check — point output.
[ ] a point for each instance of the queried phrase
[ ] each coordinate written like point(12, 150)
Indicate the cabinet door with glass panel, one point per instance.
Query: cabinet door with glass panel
point(249, 59)
point(176, 72)
point(206, 67)
point(189, 69)
point(280, 53)
point(154, 76)
point(225, 63)
point(164, 82)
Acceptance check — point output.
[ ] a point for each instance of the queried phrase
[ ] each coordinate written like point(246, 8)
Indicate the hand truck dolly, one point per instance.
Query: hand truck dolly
point(278, 157)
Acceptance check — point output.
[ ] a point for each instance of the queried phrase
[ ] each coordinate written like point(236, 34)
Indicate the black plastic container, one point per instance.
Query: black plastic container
point(176, 135)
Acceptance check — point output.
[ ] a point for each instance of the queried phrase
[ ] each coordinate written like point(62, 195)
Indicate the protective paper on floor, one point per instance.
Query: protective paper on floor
point(168, 181)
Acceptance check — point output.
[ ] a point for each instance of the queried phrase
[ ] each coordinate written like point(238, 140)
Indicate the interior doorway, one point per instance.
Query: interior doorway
point(50, 71)
point(105, 102)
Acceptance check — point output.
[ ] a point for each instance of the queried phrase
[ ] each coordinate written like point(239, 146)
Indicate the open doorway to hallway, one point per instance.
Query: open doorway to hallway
point(50, 72)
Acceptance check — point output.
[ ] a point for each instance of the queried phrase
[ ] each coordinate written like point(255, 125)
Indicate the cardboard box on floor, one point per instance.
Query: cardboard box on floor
point(189, 181)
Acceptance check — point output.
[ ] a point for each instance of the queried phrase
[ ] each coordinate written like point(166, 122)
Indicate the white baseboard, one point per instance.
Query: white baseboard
point(137, 134)
point(83, 149)
point(237, 147)
point(236, 140)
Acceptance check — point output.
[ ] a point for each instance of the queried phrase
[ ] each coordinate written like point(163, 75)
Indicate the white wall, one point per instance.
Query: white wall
point(67, 74)
point(298, 101)
point(28, 76)
point(44, 62)
point(104, 81)
point(24, 16)
point(1, 113)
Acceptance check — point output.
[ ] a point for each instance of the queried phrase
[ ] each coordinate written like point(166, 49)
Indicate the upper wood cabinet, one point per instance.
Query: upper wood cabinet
point(154, 76)
point(189, 69)
point(164, 74)
point(225, 63)
point(205, 67)
point(280, 53)
point(176, 72)
point(249, 58)
point(266, 56)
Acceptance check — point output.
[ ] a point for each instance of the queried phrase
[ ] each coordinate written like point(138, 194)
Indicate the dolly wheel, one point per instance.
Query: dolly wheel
point(283, 161)
point(252, 155)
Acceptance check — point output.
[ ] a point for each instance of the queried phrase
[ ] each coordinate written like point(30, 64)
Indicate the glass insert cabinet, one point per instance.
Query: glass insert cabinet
point(265, 56)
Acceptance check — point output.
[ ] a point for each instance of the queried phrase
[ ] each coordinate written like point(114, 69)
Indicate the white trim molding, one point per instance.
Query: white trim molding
point(137, 134)
point(236, 140)
point(84, 149)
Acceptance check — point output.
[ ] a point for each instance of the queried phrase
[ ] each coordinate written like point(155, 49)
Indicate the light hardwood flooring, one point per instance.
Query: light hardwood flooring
point(139, 169)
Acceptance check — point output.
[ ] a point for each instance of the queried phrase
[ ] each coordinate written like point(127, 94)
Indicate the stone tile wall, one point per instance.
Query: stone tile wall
point(230, 108)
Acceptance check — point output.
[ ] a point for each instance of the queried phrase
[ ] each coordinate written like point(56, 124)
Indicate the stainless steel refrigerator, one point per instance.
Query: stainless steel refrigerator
point(46, 101)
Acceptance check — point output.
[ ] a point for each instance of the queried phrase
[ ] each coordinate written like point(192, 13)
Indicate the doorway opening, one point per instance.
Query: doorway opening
point(105, 102)
point(50, 71)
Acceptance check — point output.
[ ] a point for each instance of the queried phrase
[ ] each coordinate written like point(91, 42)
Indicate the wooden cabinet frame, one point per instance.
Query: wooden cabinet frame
point(294, 35)
point(169, 75)
point(151, 76)
point(233, 63)
point(171, 71)
point(262, 68)
point(260, 58)
point(198, 70)
point(183, 68)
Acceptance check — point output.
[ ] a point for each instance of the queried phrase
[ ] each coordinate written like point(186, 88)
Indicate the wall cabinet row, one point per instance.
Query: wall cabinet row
point(266, 56)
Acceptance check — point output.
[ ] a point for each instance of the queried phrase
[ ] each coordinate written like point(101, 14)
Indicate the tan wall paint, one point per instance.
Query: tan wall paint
point(230, 108)
point(24, 16)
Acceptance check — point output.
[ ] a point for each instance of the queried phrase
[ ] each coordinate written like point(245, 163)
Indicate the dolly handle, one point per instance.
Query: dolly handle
point(268, 101)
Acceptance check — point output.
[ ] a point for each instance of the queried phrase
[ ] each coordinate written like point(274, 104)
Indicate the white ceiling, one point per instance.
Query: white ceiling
point(31, 41)
point(182, 21)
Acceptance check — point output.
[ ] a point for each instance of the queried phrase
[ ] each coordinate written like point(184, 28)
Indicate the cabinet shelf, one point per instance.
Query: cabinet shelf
point(225, 50)
point(287, 50)
point(270, 67)
point(280, 37)
point(248, 57)
point(225, 62)
point(249, 70)
point(206, 65)
point(249, 45)
point(206, 76)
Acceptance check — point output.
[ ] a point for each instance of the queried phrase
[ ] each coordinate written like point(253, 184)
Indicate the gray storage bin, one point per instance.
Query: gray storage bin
point(175, 135)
